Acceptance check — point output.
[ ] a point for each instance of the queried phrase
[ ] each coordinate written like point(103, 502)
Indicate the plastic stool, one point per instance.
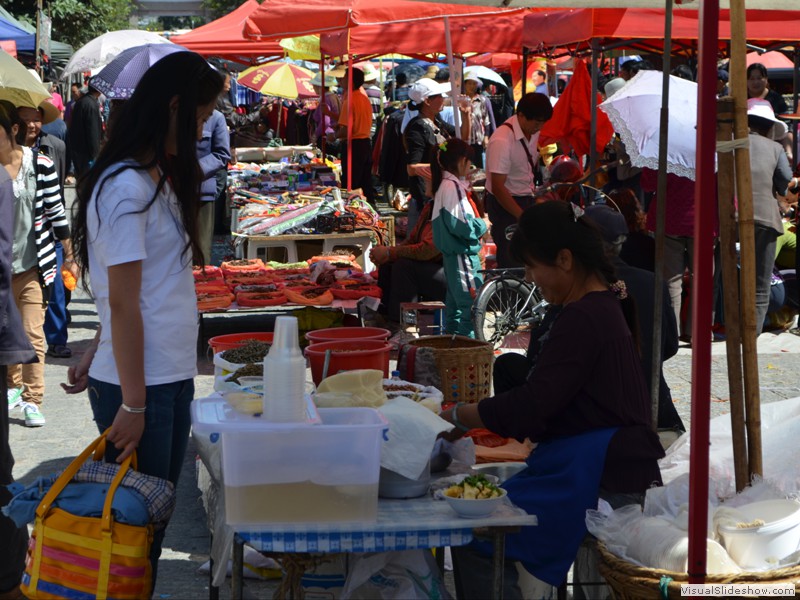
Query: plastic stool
point(427, 306)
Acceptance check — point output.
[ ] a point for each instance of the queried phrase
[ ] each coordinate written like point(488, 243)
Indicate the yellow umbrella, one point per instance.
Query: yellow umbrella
point(280, 79)
point(304, 47)
point(17, 85)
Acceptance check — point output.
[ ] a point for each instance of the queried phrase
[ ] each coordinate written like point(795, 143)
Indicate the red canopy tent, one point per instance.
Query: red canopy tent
point(224, 38)
point(565, 27)
point(362, 27)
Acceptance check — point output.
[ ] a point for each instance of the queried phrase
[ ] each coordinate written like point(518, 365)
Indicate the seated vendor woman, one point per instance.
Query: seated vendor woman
point(585, 403)
point(412, 271)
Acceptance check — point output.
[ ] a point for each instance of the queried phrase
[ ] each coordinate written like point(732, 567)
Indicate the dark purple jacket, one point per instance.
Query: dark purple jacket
point(587, 375)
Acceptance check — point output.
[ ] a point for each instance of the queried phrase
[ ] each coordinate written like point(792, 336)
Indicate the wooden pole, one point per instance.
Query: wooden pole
point(730, 288)
point(744, 193)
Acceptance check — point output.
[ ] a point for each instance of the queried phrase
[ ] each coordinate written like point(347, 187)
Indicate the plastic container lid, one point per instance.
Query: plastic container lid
point(214, 415)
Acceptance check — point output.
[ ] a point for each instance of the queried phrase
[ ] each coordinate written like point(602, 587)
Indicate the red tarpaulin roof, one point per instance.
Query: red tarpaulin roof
point(381, 26)
point(565, 27)
point(223, 37)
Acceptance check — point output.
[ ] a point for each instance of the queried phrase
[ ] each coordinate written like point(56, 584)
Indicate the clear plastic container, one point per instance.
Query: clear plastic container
point(296, 472)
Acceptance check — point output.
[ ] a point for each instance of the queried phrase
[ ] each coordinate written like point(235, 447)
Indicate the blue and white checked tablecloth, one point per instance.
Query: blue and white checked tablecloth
point(401, 525)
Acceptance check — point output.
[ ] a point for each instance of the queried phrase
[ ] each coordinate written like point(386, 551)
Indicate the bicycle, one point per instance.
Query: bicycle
point(505, 304)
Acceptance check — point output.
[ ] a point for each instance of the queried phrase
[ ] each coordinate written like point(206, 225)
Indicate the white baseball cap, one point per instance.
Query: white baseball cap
point(421, 90)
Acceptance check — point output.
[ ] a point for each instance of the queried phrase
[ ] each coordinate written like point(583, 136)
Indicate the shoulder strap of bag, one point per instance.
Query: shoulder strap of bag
point(524, 147)
point(68, 473)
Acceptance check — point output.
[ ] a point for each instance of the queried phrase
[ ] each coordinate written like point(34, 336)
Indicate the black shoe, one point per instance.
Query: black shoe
point(58, 351)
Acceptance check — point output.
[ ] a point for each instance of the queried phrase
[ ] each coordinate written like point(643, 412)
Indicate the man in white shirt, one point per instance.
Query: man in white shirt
point(511, 158)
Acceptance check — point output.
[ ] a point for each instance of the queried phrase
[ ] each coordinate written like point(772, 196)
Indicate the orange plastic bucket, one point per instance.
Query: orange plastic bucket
point(335, 334)
point(220, 343)
point(348, 355)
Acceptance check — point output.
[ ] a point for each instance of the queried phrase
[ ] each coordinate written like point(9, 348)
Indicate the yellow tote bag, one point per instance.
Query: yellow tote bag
point(87, 557)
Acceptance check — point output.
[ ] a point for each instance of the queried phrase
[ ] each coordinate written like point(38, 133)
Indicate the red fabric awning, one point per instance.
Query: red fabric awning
point(564, 27)
point(224, 37)
point(384, 26)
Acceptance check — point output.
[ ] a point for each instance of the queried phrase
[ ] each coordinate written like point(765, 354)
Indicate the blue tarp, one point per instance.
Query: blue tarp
point(25, 41)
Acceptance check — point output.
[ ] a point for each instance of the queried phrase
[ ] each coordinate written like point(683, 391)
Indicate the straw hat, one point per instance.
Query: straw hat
point(329, 81)
point(337, 71)
point(431, 72)
point(370, 72)
point(49, 111)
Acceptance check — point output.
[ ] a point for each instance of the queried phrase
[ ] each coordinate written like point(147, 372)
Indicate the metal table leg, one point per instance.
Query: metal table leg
point(213, 591)
point(237, 572)
point(498, 562)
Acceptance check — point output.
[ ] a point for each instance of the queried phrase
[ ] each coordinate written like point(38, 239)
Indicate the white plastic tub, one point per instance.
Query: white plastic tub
point(762, 547)
point(296, 472)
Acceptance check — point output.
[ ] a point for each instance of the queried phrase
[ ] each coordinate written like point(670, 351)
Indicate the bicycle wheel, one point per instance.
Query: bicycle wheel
point(498, 309)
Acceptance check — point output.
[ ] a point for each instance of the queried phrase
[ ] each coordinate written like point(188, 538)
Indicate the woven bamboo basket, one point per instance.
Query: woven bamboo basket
point(632, 582)
point(464, 364)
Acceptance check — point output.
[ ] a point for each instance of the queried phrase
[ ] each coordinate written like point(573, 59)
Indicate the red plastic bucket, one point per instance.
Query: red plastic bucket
point(335, 334)
point(220, 343)
point(348, 355)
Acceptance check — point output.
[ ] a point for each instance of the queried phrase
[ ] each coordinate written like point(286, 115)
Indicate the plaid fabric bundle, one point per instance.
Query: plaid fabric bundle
point(158, 494)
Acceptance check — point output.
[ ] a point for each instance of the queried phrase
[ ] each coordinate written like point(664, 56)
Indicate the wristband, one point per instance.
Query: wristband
point(454, 416)
point(134, 410)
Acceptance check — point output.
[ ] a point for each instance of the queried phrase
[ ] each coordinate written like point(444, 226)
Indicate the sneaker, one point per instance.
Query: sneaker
point(59, 351)
point(33, 416)
point(14, 398)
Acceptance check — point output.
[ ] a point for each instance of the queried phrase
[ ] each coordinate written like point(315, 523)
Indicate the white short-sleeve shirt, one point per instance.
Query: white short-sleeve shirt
point(121, 229)
point(506, 156)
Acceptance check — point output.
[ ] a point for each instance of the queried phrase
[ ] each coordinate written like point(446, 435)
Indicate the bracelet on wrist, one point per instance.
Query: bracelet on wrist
point(454, 416)
point(134, 410)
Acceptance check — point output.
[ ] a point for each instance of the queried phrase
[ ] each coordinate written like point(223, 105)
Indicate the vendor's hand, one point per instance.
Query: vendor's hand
point(455, 433)
point(125, 432)
point(78, 375)
point(380, 255)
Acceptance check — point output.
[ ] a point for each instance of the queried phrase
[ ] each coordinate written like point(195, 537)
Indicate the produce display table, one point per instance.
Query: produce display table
point(304, 246)
point(401, 525)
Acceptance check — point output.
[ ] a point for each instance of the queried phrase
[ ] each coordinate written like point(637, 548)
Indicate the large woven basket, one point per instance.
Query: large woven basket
point(631, 582)
point(464, 364)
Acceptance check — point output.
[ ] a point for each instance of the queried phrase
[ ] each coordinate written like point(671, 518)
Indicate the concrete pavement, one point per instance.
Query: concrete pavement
point(70, 428)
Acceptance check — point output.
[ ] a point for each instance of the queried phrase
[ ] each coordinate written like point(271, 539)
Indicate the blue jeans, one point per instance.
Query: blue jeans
point(166, 432)
point(56, 318)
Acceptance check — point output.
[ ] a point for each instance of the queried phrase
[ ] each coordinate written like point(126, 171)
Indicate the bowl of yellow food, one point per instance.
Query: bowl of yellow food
point(475, 497)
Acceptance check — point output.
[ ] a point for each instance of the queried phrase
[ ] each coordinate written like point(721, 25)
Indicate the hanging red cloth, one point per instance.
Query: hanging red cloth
point(572, 116)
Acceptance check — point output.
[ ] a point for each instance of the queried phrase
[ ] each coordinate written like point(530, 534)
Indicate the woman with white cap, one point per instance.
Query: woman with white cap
point(771, 176)
point(423, 133)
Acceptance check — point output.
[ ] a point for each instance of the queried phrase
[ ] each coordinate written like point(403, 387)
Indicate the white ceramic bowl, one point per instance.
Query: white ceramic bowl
point(475, 509)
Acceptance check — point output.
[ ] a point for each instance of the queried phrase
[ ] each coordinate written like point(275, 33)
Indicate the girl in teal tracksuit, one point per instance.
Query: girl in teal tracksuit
point(457, 232)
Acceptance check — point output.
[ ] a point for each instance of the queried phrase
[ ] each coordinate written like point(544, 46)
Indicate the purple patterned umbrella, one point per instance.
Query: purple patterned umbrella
point(120, 77)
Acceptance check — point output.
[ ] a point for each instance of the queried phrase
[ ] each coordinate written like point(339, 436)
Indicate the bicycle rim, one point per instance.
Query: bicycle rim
point(497, 312)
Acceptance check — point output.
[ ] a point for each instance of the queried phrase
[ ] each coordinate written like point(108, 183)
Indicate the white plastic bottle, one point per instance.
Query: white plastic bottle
point(285, 375)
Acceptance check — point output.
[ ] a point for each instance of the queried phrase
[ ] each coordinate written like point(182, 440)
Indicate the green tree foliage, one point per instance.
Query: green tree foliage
point(77, 21)
point(220, 8)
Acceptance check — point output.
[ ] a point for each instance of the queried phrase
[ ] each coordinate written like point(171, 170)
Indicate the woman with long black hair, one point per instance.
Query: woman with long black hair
point(135, 238)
